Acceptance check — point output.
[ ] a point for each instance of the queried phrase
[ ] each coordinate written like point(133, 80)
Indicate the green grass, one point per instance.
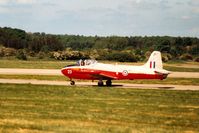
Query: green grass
point(43, 64)
point(39, 64)
point(38, 77)
point(35, 108)
point(174, 81)
point(181, 69)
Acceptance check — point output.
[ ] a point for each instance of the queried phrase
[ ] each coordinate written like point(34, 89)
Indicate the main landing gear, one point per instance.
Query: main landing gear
point(108, 83)
point(100, 82)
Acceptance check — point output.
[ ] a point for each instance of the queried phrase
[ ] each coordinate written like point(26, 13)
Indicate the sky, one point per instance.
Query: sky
point(103, 17)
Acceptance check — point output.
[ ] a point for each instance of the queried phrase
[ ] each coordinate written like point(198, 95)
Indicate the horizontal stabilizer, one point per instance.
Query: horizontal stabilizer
point(162, 71)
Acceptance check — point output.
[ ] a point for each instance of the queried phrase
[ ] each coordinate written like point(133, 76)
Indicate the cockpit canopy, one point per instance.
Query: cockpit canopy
point(82, 62)
point(86, 62)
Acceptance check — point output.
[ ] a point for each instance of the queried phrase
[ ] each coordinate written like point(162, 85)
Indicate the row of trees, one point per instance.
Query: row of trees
point(19, 39)
point(108, 48)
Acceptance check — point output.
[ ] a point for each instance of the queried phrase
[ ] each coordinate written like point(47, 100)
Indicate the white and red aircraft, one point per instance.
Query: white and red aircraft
point(92, 70)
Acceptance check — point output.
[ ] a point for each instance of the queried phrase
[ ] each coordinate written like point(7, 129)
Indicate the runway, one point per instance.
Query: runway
point(94, 84)
point(11, 71)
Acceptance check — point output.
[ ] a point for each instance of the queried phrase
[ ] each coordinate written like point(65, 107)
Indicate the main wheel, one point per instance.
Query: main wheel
point(100, 83)
point(72, 82)
point(108, 83)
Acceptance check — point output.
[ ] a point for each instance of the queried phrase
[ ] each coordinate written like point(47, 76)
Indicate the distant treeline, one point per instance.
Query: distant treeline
point(65, 47)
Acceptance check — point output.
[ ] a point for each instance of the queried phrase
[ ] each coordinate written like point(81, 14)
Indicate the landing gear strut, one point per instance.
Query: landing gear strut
point(100, 83)
point(72, 82)
point(108, 82)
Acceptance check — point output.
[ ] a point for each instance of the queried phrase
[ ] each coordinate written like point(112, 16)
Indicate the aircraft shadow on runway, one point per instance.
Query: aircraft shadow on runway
point(165, 88)
point(140, 87)
point(107, 86)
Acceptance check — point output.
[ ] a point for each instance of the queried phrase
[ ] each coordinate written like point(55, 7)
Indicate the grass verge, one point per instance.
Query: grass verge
point(36, 108)
point(174, 81)
point(181, 69)
point(38, 64)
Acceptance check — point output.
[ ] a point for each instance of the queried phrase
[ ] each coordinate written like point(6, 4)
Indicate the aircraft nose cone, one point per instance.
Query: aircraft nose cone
point(64, 71)
point(67, 71)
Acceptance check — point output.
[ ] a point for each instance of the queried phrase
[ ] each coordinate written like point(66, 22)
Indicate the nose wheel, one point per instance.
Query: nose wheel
point(72, 82)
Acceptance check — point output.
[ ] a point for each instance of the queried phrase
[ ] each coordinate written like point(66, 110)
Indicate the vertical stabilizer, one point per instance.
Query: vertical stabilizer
point(155, 61)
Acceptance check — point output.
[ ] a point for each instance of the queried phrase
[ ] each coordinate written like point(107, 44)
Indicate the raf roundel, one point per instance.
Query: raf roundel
point(125, 73)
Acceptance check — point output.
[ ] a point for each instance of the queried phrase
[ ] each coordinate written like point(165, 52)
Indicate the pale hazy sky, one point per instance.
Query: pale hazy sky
point(103, 17)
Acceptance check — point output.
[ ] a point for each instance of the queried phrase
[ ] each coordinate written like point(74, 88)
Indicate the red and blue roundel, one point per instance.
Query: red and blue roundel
point(125, 73)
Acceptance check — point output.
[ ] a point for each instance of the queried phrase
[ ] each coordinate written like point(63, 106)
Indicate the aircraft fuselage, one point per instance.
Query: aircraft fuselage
point(109, 71)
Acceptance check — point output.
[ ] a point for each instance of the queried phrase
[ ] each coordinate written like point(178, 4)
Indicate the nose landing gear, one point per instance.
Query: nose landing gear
point(72, 82)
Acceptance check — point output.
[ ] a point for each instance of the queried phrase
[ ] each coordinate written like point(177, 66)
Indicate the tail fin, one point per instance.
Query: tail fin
point(155, 61)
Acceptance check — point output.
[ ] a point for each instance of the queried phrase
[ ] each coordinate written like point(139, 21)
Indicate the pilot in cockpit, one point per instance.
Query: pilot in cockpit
point(80, 62)
point(85, 62)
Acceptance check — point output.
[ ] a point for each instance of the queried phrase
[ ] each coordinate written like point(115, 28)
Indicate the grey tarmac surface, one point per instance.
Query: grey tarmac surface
point(58, 72)
point(9, 71)
point(94, 84)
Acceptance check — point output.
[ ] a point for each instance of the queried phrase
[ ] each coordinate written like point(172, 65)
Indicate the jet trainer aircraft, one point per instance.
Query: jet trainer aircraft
point(92, 70)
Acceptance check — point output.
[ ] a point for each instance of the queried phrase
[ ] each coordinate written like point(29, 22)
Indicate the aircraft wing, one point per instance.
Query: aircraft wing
point(104, 76)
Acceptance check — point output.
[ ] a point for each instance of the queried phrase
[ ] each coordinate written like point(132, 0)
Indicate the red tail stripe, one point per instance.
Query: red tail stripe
point(150, 64)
